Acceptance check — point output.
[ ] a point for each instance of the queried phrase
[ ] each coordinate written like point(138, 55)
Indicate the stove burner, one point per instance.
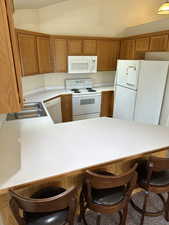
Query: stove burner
point(75, 90)
point(91, 90)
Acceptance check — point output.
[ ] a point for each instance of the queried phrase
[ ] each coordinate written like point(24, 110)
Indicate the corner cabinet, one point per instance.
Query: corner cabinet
point(127, 49)
point(107, 52)
point(10, 70)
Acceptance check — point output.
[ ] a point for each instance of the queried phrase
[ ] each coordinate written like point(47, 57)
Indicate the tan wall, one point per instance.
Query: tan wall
point(27, 19)
point(89, 17)
point(154, 26)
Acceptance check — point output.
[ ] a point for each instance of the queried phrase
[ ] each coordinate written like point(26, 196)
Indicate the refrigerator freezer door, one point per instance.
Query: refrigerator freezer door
point(127, 73)
point(124, 103)
point(152, 80)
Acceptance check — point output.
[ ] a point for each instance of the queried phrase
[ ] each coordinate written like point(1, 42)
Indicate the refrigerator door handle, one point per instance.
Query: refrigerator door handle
point(132, 85)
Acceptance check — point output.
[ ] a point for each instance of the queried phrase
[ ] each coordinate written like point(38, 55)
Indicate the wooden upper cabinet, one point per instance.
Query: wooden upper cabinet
point(59, 47)
point(142, 44)
point(89, 47)
point(127, 50)
point(10, 70)
point(28, 54)
point(75, 47)
point(107, 103)
point(107, 52)
point(44, 55)
point(159, 43)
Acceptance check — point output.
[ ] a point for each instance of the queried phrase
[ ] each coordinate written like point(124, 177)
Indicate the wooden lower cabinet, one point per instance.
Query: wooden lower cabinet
point(66, 106)
point(107, 102)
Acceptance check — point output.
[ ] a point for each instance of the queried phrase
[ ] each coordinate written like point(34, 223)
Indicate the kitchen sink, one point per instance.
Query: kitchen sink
point(29, 110)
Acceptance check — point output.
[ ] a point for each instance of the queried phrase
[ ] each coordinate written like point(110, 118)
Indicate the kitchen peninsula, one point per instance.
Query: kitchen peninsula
point(61, 153)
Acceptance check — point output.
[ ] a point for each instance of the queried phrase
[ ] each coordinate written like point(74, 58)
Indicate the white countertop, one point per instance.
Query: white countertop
point(53, 149)
point(47, 93)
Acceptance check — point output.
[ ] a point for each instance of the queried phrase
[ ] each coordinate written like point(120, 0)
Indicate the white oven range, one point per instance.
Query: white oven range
point(86, 101)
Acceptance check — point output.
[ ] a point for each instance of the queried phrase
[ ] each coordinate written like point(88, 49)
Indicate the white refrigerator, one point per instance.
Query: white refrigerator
point(139, 90)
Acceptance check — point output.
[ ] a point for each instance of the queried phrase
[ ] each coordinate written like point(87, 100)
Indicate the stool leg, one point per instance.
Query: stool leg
point(82, 210)
point(144, 207)
point(125, 212)
point(98, 220)
point(167, 209)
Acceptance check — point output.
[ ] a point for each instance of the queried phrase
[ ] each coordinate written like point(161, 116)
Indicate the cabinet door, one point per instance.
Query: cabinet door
point(107, 52)
point(66, 105)
point(74, 47)
point(142, 44)
point(107, 102)
point(44, 55)
point(9, 93)
point(28, 54)
point(159, 43)
point(59, 47)
point(127, 50)
point(89, 47)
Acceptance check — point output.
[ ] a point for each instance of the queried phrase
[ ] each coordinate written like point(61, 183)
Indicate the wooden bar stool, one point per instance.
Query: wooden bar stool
point(153, 177)
point(106, 193)
point(49, 206)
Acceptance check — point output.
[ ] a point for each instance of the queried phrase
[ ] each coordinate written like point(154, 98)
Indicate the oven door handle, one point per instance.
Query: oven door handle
point(86, 95)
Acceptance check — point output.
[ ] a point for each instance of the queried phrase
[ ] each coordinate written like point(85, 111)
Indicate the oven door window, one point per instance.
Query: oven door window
point(86, 104)
point(87, 101)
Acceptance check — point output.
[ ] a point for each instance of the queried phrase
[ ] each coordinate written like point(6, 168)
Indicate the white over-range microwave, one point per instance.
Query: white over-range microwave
point(82, 64)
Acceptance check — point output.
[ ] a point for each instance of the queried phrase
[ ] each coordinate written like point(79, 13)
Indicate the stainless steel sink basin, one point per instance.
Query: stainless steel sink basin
point(30, 110)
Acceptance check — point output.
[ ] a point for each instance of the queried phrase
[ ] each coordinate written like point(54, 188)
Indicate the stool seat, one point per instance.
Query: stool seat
point(49, 206)
point(108, 196)
point(157, 178)
point(54, 218)
point(107, 193)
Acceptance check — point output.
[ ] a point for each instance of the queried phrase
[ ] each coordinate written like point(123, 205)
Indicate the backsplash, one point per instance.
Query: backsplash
point(2, 119)
point(31, 83)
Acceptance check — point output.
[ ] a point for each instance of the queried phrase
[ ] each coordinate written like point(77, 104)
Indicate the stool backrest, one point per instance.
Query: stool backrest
point(98, 181)
point(55, 203)
point(158, 164)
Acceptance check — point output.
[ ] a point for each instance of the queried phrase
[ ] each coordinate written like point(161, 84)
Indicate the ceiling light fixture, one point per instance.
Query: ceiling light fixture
point(164, 8)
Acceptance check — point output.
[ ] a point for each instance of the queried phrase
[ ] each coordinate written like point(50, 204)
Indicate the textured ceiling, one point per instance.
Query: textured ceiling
point(34, 4)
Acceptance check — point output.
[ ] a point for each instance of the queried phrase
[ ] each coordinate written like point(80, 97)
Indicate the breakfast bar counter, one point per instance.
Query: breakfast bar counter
point(61, 153)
